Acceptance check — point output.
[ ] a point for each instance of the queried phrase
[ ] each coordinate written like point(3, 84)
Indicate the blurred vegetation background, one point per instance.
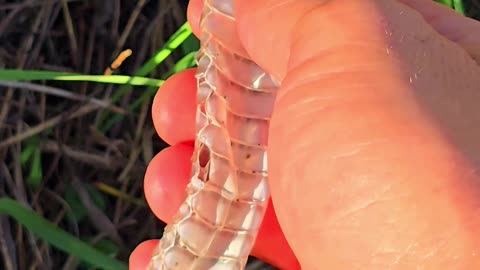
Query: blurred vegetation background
point(77, 78)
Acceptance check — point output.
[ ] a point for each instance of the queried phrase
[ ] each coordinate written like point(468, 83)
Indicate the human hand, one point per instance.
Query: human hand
point(373, 149)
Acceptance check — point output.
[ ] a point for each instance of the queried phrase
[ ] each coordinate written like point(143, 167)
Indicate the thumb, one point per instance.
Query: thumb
point(361, 147)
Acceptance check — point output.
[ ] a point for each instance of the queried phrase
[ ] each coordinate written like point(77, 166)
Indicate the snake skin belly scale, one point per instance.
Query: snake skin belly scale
point(217, 224)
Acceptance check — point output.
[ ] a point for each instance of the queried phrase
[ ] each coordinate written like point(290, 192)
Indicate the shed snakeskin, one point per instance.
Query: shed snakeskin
point(217, 224)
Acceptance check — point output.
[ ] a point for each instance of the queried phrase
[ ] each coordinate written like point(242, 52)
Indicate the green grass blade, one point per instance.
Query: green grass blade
point(173, 42)
point(28, 148)
point(36, 173)
point(186, 62)
point(182, 34)
point(58, 238)
point(33, 75)
point(448, 3)
point(191, 44)
point(457, 5)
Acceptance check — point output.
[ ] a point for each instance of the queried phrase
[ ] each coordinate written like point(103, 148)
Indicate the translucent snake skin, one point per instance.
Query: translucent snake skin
point(217, 224)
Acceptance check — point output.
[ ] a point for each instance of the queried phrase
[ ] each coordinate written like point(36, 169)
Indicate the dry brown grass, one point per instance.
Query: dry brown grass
point(84, 37)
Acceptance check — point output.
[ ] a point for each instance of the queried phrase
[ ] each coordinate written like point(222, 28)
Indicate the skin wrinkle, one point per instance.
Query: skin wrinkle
point(411, 251)
point(401, 255)
point(288, 8)
point(380, 195)
point(357, 148)
point(375, 262)
point(336, 92)
point(440, 20)
point(333, 50)
point(304, 114)
point(306, 147)
point(382, 258)
point(302, 76)
point(271, 8)
point(372, 42)
point(443, 242)
point(327, 109)
point(325, 102)
point(356, 209)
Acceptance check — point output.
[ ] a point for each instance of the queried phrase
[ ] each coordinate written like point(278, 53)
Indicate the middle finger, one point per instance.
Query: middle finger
point(174, 106)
